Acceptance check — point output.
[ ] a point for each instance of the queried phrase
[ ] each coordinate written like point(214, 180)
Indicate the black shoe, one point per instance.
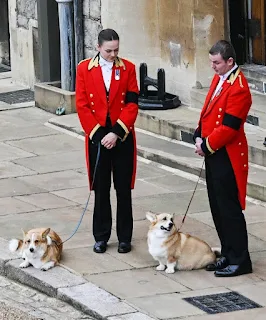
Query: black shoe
point(100, 246)
point(233, 270)
point(124, 247)
point(218, 265)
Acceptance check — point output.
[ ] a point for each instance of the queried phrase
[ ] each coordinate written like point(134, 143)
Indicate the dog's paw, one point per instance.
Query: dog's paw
point(170, 270)
point(160, 267)
point(24, 264)
point(47, 266)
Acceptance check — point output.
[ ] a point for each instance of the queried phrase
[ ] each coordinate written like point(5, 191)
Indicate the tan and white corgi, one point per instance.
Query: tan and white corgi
point(40, 248)
point(173, 249)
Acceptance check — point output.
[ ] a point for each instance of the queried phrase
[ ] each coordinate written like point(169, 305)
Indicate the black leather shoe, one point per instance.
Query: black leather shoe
point(100, 246)
point(233, 270)
point(124, 247)
point(218, 265)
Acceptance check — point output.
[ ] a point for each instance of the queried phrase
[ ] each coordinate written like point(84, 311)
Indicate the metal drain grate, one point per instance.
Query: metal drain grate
point(18, 96)
point(222, 302)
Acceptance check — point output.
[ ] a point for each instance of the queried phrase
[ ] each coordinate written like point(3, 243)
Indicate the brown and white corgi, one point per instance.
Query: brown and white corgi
point(40, 248)
point(173, 249)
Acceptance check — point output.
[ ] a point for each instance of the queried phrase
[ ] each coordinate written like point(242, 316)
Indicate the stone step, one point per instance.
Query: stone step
point(257, 110)
point(256, 76)
point(172, 153)
point(181, 122)
point(181, 155)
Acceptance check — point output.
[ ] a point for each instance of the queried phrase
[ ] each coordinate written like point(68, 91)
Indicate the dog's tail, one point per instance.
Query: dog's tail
point(15, 245)
point(216, 251)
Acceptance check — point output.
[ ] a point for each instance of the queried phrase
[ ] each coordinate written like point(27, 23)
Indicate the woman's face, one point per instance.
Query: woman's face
point(109, 50)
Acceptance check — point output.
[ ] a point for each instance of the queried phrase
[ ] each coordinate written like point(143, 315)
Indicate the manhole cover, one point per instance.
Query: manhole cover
point(222, 302)
point(17, 96)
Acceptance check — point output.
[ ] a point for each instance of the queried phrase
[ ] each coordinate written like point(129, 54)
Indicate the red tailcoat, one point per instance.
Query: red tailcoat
point(93, 106)
point(222, 122)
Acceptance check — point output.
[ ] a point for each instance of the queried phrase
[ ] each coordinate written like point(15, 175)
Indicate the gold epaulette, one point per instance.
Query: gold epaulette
point(83, 60)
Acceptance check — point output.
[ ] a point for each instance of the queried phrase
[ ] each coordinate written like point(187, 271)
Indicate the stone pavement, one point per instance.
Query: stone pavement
point(43, 182)
point(18, 302)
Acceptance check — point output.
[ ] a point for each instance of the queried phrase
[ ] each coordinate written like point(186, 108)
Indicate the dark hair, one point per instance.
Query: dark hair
point(225, 49)
point(107, 35)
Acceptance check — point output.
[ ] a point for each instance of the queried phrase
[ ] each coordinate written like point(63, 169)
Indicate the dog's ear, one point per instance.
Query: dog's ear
point(151, 216)
point(24, 233)
point(45, 233)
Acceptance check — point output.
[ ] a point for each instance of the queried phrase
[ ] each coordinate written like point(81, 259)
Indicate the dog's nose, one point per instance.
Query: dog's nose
point(170, 225)
point(31, 249)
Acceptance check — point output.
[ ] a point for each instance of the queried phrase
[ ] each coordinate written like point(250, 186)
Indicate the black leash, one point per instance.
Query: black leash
point(86, 206)
point(184, 218)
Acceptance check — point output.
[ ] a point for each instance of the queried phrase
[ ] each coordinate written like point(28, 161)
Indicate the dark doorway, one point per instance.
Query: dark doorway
point(247, 30)
point(4, 34)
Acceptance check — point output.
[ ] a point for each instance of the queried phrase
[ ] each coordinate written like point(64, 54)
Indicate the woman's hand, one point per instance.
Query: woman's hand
point(109, 141)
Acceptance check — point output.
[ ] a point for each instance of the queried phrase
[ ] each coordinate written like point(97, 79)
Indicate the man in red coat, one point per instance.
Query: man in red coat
point(107, 106)
point(221, 139)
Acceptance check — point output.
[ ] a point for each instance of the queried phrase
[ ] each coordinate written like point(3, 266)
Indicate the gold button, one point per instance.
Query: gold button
point(220, 109)
point(242, 154)
point(217, 122)
point(93, 110)
point(219, 116)
point(122, 101)
point(91, 95)
point(92, 103)
point(245, 165)
point(121, 109)
point(239, 143)
point(123, 93)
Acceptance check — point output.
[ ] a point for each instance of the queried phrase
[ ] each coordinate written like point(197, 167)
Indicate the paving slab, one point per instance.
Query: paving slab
point(48, 145)
point(15, 187)
point(10, 206)
point(89, 263)
point(11, 153)
point(9, 169)
point(140, 283)
point(46, 201)
point(131, 316)
point(56, 180)
point(53, 162)
point(88, 297)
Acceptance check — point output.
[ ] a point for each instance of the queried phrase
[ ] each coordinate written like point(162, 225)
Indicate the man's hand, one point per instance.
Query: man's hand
point(198, 147)
point(109, 141)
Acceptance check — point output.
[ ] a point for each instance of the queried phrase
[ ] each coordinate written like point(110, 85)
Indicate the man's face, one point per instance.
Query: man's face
point(109, 50)
point(219, 65)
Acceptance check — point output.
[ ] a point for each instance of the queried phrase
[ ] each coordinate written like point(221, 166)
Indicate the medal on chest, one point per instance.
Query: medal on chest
point(117, 74)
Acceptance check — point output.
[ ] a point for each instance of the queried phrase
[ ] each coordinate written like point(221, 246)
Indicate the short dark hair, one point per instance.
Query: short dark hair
point(225, 49)
point(107, 35)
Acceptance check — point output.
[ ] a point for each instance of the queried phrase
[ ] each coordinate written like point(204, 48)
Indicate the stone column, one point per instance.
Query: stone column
point(67, 44)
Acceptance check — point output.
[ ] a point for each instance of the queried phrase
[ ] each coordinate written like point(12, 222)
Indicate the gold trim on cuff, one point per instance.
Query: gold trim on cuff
point(208, 146)
point(121, 123)
point(94, 130)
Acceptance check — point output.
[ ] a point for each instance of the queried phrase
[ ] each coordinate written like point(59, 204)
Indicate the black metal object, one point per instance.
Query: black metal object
point(264, 143)
point(152, 99)
point(18, 96)
point(252, 120)
point(222, 302)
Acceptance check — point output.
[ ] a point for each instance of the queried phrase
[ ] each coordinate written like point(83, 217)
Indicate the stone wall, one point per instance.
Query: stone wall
point(92, 25)
point(171, 34)
point(24, 41)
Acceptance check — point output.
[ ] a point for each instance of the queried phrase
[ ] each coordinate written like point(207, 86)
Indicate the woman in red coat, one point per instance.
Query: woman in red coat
point(220, 137)
point(107, 106)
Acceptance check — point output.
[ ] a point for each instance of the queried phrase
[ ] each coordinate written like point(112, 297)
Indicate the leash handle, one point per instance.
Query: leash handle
point(86, 206)
point(184, 218)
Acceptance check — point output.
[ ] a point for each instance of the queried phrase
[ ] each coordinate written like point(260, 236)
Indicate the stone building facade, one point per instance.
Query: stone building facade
point(171, 34)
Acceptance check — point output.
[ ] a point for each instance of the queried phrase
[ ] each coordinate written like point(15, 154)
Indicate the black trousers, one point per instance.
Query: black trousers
point(119, 161)
point(226, 210)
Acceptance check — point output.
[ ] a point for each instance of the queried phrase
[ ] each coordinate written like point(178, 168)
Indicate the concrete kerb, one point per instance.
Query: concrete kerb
point(68, 286)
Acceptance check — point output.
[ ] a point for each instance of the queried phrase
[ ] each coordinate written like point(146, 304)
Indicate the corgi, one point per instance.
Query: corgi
point(40, 248)
point(176, 250)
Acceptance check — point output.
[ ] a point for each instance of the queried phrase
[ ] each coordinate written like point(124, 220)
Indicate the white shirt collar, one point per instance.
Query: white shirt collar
point(225, 76)
point(105, 63)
